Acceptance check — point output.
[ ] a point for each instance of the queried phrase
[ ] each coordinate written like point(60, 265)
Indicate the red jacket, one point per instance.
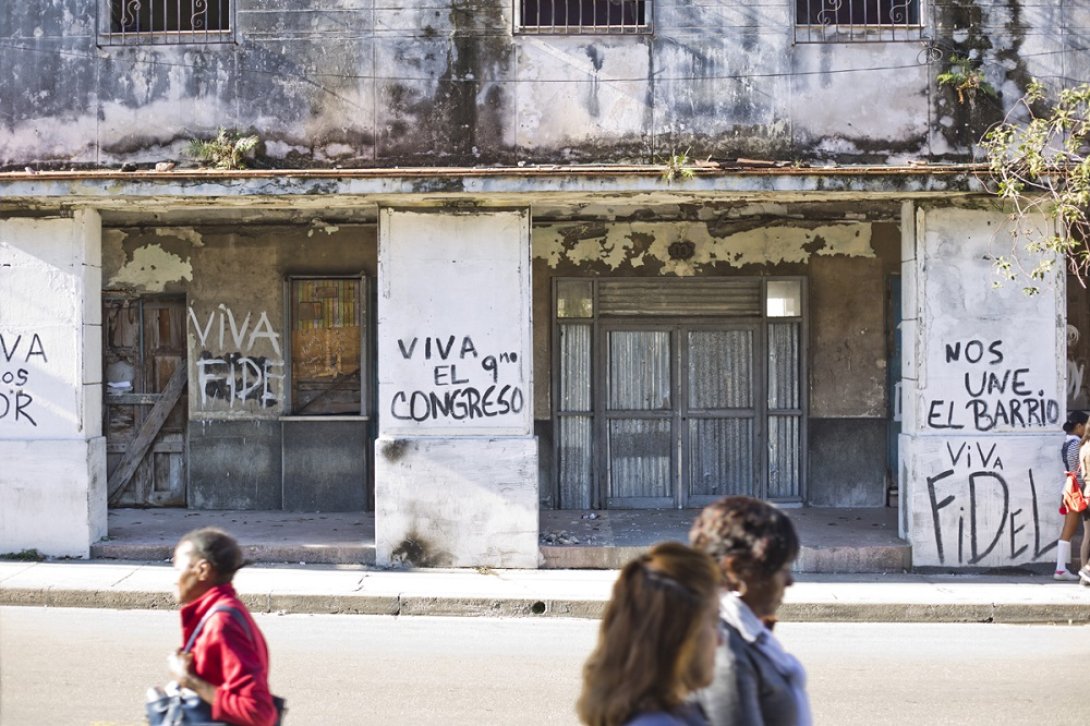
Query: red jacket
point(234, 661)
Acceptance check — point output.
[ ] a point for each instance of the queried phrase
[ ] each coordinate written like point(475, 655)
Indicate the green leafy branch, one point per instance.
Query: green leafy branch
point(1039, 165)
point(966, 79)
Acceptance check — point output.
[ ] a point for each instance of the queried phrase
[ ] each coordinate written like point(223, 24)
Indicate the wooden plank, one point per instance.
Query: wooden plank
point(132, 399)
point(148, 431)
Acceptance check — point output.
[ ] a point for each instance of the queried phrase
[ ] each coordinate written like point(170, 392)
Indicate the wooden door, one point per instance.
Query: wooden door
point(146, 413)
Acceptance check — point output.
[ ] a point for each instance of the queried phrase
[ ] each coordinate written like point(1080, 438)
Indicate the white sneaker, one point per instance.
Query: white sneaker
point(1084, 575)
point(1067, 576)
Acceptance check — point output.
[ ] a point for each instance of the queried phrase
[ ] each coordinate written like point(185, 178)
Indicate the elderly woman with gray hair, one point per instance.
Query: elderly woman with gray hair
point(757, 682)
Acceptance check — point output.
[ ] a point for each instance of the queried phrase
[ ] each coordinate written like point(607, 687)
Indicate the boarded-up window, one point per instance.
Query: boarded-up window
point(326, 346)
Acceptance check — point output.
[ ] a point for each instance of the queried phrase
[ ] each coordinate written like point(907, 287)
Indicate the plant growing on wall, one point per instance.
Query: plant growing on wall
point(1039, 164)
point(228, 150)
point(678, 166)
point(965, 79)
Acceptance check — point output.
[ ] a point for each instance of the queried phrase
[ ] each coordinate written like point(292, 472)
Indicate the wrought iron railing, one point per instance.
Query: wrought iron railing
point(164, 22)
point(576, 17)
point(857, 21)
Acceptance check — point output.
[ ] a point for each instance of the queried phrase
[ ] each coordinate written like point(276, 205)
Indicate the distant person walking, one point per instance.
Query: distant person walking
point(757, 682)
point(656, 643)
point(228, 665)
point(1075, 430)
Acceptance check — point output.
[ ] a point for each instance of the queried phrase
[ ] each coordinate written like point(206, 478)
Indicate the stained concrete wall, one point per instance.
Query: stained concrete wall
point(847, 253)
point(233, 278)
point(984, 397)
point(455, 461)
point(354, 83)
point(53, 481)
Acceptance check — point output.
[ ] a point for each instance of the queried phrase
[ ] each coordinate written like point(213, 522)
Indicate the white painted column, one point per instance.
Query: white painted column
point(983, 397)
point(53, 475)
point(456, 458)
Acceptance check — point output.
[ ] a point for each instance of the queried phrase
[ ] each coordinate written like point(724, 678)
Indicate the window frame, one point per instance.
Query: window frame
point(851, 32)
point(367, 364)
point(520, 28)
point(107, 36)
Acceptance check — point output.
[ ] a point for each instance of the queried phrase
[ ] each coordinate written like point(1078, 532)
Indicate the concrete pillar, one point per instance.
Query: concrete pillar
point(455, 458)
point(53, 475)
point(983, 396)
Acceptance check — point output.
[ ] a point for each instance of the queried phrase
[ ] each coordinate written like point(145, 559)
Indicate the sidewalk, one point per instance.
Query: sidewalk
point(540, 593)
point(834, 540)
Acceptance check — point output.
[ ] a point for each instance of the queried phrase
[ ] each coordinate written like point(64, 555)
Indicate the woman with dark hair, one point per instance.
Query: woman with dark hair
point(1074, 430)
point(228, 662)
point(656, 644)
point(757, 682)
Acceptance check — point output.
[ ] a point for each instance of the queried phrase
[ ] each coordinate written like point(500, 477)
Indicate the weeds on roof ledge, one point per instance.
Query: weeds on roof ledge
point(228, 150)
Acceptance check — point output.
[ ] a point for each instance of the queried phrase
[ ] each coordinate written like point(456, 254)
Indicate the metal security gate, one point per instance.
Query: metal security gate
point(673, 393)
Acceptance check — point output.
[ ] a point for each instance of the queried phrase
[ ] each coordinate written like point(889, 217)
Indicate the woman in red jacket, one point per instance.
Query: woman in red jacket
point(228, 666)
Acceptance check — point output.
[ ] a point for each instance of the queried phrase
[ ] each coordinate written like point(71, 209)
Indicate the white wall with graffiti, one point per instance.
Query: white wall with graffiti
point(456, 459)
point(454, 355)
point(984, 398)
point(52, 482)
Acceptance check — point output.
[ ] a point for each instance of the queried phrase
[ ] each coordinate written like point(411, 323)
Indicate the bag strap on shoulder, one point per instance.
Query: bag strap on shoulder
point(218, 609)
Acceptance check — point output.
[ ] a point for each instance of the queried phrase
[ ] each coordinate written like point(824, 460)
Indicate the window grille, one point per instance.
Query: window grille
point(574, 17)
point(165, 22)
point(857, 21)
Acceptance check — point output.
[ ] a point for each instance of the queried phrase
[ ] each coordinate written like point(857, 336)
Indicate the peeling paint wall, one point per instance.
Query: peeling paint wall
point(233, 280)
point(360, 84)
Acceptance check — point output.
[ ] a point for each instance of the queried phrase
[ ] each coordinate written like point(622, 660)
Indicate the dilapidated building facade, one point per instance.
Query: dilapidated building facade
point(491, 257)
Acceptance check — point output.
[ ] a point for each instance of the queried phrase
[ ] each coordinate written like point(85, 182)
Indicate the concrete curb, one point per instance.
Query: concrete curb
point(938, 598)
point(459, 606)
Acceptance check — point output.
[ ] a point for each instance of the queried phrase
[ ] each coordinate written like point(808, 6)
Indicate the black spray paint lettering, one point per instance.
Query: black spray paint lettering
point(236, 377)
point(458, 399)
point(457, 404)
point(434, 347)
point(14, 401)
point(983, 489)
point(10, 348)
point(996, 398)
point(987, 458)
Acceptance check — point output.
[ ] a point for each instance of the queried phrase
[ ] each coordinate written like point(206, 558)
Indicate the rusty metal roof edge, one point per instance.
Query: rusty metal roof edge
point(599, 170)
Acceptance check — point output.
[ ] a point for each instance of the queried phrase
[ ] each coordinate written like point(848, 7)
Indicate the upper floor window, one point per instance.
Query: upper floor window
point(157, 22)
point(819, 21)
point(572, 17)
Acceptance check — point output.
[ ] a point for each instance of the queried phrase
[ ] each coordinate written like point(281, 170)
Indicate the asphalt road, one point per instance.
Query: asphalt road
point(62, 666)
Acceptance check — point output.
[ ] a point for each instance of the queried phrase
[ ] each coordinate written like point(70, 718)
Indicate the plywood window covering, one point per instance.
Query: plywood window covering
point(574, 17)
point(159, 22)
point(326, 345)
point(857, 21)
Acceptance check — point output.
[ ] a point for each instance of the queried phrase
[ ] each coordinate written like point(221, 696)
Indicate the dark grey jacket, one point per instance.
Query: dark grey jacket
point(747, 690)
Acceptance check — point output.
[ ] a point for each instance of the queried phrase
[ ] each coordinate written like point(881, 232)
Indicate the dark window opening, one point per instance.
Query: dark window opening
point(574, 16)
point(858, 12)
point(169, 16)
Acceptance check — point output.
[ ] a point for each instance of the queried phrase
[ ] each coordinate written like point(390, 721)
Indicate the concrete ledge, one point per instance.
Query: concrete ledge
point(268, 554)
point(824, 560)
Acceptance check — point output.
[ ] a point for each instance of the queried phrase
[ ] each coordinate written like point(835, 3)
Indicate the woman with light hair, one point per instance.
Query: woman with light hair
point(656, 644)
